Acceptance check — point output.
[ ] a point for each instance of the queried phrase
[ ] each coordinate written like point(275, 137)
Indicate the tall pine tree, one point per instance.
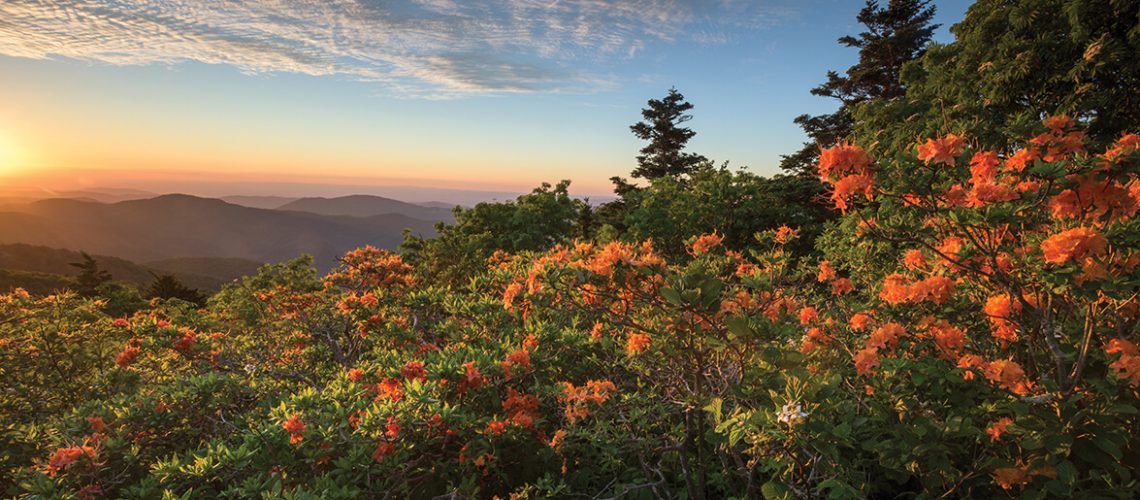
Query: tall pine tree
point(665, 154)
point(894, 36)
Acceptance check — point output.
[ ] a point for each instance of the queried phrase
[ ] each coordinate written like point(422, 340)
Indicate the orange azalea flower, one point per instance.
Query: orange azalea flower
point(951, 247)
point(97, 423)
point(413, 370)
point(937, 289)
point(942, 150)
point(1021, 159)
point(955, 197)
point(861, 321)
point(496, 427)
point(126, 357)
point(189, 337)
point(521, 409)
point(949, 339)
point(1001, 310)
point(706, 242)
point(295, 427)
point(1058, 123)
point(1127, 366)
point(383, 449)
point(637, 343)
point(852, 184)
point(1126, 145)
point(914, 259)
point(784, 234)
point(556, 441)
point(866, 361)
point(1076, 243)
point(971, 362)
point(842, 286)
point(596, 331)
point(472, 378)
point(510, 294)
point(1009, 375)
point(843, 159)
point(392, 428)
point(355, 374)
point(826, 272)
point(808, 315)
point(985, 194)
point(578, 399)
point(897, 289)
point(996, 429)
point(390, 388)
point(64, 458)
point(1008, 477)
point(983, 167)
point(1063, 146)
point(886, 336)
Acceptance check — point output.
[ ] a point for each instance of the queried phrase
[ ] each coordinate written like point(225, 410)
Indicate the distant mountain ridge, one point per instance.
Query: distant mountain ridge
point(31, 265)
point(176, 226)
point(363, 205)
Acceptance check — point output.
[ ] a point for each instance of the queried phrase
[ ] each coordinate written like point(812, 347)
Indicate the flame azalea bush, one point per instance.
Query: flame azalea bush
point(996, 293)
point(969, 330)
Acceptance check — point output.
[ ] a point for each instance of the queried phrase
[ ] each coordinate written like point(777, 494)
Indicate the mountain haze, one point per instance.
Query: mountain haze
point(43, 269)
point(175, 226)
point(363, 205)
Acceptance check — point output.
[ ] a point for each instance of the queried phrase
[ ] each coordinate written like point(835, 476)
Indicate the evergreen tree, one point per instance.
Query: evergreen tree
point(90, 276)
point(894, 35)
point(166, 286)
point(665, 154)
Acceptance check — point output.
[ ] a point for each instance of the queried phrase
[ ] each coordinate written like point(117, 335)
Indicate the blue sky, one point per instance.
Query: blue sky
point(484, 95)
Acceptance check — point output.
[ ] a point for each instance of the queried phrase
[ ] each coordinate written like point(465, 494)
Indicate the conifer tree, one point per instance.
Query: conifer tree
point(665, 154)
point(166, 286)
point(894, 35)
point(90, 276)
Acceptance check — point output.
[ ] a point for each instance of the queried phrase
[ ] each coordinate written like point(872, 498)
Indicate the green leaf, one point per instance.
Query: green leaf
point(671, 296)
point(1106, 445)
point(738, 326)
point(773, 490)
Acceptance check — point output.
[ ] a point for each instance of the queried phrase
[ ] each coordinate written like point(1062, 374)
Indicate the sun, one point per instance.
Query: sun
point(11, 154)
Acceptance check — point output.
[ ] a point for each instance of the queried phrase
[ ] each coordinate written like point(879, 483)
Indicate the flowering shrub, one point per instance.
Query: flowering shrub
point(969, 331)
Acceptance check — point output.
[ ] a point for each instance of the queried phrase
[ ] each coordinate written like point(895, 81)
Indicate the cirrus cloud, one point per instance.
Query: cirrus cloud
point(424, 48)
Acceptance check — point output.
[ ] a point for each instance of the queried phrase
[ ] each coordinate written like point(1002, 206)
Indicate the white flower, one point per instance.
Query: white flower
point(249, 368)
point(791, 413)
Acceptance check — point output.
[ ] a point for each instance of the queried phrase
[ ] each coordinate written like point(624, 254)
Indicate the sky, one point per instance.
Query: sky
point(325, 97)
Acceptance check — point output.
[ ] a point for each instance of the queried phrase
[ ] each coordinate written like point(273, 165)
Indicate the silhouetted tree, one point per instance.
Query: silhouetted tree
point(166, 286)
point(894, 36)
point(90, 276)
point(665, 154)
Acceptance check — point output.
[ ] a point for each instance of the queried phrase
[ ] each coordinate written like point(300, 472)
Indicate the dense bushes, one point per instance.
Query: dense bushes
point(970, 331)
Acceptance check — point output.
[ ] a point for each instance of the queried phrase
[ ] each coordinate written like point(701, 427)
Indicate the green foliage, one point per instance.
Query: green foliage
point(736, 205)
point(535, 221)
point(166, 286)
point(1009, 62)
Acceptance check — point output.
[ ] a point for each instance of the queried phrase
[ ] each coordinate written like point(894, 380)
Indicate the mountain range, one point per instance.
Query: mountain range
point(178, 226)
point(42, 269)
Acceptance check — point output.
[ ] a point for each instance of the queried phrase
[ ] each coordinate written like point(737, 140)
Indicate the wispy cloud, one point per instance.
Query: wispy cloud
point(429, 48)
